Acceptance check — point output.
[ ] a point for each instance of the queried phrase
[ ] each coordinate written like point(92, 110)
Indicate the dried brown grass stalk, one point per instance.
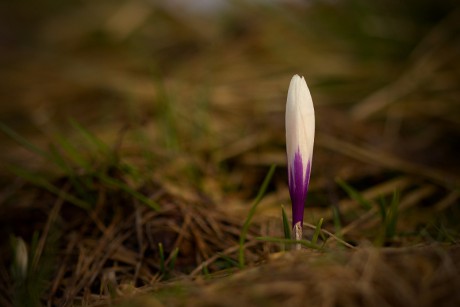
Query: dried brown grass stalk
point(418, 276)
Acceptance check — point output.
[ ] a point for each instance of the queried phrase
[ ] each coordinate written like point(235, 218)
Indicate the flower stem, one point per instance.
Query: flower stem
point(297, 235)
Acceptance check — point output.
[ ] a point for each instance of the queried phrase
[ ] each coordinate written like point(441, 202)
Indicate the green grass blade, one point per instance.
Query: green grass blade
point(354, 194)
point(167, 121)
point(71, 151)
point(229, 262)
point(252, 211)
point(118, 184)
point(286, 225)
point(59, 160)
point(80, 185)
point(51, 157)
point(45, 184)
point(392, 217)
point(24, 142)
point(173, 258)
point(92, 139)
point(162, 258)
point(206, 272)
point(336, 220)
point(314, 240)
point(382, 209)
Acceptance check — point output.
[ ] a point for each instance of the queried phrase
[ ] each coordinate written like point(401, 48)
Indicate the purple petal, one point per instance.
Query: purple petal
point(298, 186)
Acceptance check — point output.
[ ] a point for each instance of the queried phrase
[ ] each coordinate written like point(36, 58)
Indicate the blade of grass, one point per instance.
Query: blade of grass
point(167, 119)
point(118, 184)
point(337, 223)
point(286, 225)
point(24, 142)
point(228, 262)
point(51, 157)
point(60, 160)
point(71, 151)
point(80, 184)
point(93, 139)
point(392, 217)
point(251, 213)
point(389, 219)
point(45, 184)
point(354, 194)
point(143, 141)
point(444, 233)
point(173, 258)
point(317, 231)
point(162, 258)
point(329, 234)
point(382, 209)
point(206, 272)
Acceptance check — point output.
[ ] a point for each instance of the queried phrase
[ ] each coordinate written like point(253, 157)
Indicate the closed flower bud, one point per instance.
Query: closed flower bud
point(300, 134)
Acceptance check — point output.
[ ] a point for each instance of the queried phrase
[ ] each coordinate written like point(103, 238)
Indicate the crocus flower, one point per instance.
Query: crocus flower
point(300, 134)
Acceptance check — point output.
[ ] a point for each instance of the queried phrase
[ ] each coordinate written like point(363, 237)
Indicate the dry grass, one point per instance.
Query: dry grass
point(181, 117)
point(423, 276)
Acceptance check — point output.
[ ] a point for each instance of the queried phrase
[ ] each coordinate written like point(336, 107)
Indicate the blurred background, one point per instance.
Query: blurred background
point(192, 95)
point(208, 79)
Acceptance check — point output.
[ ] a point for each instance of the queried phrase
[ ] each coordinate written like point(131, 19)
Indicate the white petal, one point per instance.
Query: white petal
point(300, 121)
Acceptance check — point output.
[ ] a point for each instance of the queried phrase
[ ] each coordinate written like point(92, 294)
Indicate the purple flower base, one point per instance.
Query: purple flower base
point(298, 187)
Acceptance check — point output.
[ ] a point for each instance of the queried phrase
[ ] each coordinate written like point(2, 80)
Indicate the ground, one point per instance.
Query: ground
point(143, 153)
